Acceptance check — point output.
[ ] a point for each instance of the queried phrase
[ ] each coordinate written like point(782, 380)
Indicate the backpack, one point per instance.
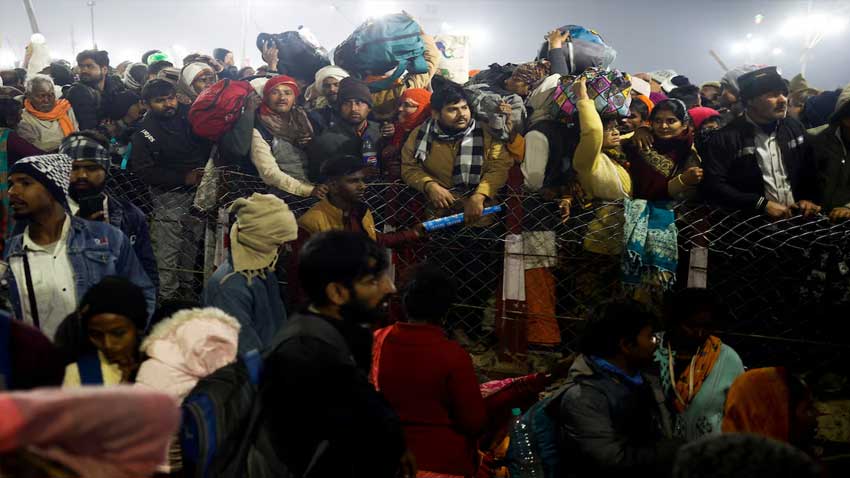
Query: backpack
point(495, 75)
point(298, 53)
point(381, 44)
point(541, 420)
point(222, 434)
point(217, 108)
point(585, 48)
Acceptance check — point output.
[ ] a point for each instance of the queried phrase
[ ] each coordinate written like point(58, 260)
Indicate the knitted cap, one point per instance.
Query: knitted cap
point(354, 89)
point(83, 148)
point(53, 171)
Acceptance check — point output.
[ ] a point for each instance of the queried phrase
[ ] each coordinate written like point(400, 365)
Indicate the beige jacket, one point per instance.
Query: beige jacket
point(44, 135)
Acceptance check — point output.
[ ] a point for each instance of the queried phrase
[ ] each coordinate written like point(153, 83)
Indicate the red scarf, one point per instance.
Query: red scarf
point(403, 128)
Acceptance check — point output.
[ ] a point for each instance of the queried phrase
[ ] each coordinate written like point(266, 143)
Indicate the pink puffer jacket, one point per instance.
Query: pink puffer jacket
point(187, 347)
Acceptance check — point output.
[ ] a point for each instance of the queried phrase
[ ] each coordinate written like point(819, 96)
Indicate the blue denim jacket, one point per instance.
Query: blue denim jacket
point(258, 307)
point(96, 250)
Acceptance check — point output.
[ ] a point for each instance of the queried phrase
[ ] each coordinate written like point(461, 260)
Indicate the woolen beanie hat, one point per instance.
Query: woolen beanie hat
point(83, 148)
point(116, 295)
point(53, 171)
point(354, 89)
point(819, 109)
point(263, 223)
point(761, 81)
point(701, 114)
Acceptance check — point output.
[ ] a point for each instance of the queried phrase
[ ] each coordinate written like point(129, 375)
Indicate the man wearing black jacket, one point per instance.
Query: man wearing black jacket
point(323, 417)
point(169, 158)
point(95, 91)
point(761, 161)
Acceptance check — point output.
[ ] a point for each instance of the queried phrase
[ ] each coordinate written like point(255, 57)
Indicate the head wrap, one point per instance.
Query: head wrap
point(648, 102)
point(330, 71)
point(185, 92)
point(730, 79)
point(758, 402)
point(157, 57)
point(423, 98)
point(259, 84)
point(53, 171)
point(263, 223)
point(116, 295)
point(135, 81)
point(292, 127)
point(82, 148)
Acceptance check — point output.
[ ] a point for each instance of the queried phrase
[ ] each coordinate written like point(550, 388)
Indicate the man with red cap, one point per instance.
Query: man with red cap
point(281, 132)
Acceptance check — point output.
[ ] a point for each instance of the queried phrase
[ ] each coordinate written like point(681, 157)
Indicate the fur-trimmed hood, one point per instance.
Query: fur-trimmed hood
point(194, 341)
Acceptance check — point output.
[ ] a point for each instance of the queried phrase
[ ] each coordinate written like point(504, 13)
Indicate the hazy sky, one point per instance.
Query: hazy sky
point(648, 35)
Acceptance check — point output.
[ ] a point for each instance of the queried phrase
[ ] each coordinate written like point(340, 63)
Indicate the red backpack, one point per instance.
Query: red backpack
point(217, 108)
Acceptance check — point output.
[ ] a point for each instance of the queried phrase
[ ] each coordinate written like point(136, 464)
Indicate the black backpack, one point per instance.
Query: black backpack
point(296, 55)
point(222, 434)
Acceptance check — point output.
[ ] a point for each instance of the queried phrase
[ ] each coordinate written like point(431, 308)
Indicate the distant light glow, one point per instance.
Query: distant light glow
point(378, 9)
point(179, 51)
point(37, 38)
point(777, 51)
point(814, 24)
point(7, 58)
point(759, 18)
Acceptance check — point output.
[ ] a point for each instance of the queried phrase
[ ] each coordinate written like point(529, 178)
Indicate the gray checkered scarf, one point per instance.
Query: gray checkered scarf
point(467, 167)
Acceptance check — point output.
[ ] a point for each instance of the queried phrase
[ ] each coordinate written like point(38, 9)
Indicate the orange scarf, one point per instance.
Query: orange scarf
point(58, 113)
point(758, 402)
point(701, 365)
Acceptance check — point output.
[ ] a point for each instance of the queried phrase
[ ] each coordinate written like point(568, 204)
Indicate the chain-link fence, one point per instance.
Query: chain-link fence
point(527, 279)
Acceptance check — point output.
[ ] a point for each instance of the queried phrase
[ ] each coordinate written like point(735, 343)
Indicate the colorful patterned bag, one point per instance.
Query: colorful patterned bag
point(610, 90)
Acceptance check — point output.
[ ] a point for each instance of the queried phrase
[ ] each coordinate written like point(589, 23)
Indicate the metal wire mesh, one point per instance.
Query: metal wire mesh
point(786, 283)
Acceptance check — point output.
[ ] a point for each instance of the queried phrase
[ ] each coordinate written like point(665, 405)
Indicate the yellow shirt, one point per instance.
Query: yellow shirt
point(111, 374)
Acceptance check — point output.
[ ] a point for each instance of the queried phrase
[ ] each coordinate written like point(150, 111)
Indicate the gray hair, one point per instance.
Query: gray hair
point(39, 78)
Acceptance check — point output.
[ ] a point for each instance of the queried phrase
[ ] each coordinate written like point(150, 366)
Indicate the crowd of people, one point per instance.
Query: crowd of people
point(99, 286)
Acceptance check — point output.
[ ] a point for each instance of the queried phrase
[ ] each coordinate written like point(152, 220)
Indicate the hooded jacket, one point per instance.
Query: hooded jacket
point(186, 348)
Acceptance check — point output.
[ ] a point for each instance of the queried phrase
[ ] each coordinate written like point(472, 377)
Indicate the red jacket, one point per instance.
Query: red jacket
point(430, 382)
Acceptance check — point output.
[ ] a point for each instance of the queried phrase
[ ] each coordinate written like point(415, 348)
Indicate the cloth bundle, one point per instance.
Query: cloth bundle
point(610, 91)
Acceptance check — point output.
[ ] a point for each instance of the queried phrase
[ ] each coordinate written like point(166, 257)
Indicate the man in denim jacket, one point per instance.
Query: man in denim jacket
point(59, 257)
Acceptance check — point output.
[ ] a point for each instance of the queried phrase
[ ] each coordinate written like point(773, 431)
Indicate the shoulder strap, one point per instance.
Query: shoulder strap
point(5, 352)
point(387, 83)
point(90, 372)
point(30, 291)
point(316, 327)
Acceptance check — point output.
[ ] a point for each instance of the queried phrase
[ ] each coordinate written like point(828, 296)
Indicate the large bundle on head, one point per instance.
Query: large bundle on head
point(486, 104)
point(495, 75)
point(298, 52)
point(610, 91)
point(584, 49)
point(392, 43)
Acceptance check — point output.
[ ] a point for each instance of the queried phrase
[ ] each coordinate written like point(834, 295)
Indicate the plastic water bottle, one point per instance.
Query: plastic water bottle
point(527, 463)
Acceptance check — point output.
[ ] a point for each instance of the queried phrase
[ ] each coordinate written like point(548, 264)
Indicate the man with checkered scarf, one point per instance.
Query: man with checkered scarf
point(58, 257)
point(87, 198)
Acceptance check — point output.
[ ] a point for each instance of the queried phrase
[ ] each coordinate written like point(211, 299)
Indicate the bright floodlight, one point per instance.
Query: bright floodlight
point(377, 9)
point(7, 58)
point(812, 25)
point(759, 18)
point(777, 51)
